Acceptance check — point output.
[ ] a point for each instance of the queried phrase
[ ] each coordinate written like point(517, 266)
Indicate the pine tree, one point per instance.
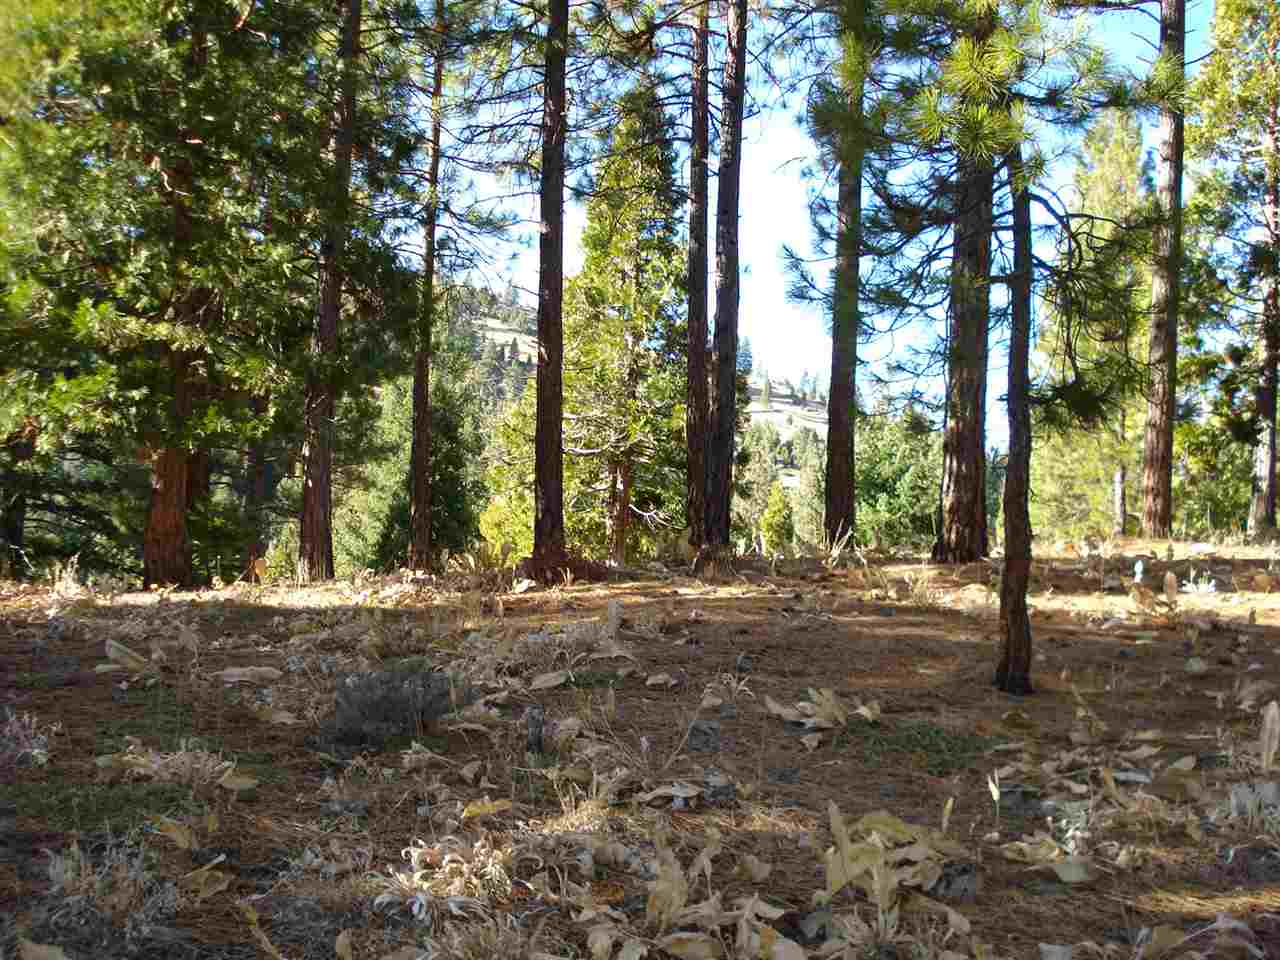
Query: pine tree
point(720, 451)
point(548, 520)
point(696, 399)
point(1157, 451)
point(315, 541)
point(1237, 122)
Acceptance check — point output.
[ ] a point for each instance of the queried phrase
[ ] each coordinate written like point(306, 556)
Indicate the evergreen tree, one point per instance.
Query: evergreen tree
point(696, 399)
point(720, 451)
point(1237, 124)
point(1157, 450)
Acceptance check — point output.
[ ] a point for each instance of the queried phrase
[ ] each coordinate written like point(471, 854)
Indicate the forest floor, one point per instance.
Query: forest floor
point(699, 739)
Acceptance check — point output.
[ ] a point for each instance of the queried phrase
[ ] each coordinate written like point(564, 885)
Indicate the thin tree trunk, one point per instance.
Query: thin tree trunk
point(696, 400)
point(1013, 675)
point(962, 537)
point(166, 544)
point(841, 502)
point(724, 408)
point(1119, 503)
point(315, 548)
point(257, 492)
point(548, 480)
point(1162, 354)
point(20, 446)
point(420, 455)
point(1262, 506)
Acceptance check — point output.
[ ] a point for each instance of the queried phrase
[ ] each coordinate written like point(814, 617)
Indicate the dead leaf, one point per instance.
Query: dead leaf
point(754, 869)
point(39, 951)
point(485, 808)
point(236, 782)
point(342, 946)
point(545, 681)
point(811, 741)
point(1270, 742)
point(1073, 870)
point(692, 946)
point(249, 674)
point(178, 832)
point(659, 680)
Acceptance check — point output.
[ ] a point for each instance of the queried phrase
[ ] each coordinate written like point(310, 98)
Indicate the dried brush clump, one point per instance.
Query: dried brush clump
point(24, 741)
point(373, 708)
point(107, 900)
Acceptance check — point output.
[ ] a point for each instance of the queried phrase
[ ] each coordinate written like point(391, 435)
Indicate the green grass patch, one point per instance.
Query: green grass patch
point(590, 679)
point(925, 745)
point(33, 681)
point(154, 714)
point(92, 806)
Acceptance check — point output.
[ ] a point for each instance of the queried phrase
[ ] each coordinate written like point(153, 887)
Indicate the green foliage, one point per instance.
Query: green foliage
point(897, 475)
point(623, 375)
point(777, 526)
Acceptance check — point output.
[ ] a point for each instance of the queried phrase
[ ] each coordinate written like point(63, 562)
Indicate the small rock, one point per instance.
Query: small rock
point(720, 790)
point(728, 711)
point(958, 883)
point(744, 664)
point(783, 775)
point(347, 808)
point(888, 792)
point(535, 719)
point(704, 736)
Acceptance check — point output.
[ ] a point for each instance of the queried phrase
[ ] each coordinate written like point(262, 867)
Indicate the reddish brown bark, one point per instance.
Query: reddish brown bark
point(548, 481)
point(963, 534)
point(166, 547)
point(1162, 354)
point(315, 534)
point(720, 448)
point(696, 399)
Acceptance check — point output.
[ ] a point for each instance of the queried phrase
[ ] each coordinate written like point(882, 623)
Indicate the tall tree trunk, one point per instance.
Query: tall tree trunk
point(1162, 354)
point(696, 400)
point(841, 501)
point(420, 455)
point(315, 548)
point(166, 544)
point(962, 537)
point(724, 408)
point(548, 470)
point(1013, 675)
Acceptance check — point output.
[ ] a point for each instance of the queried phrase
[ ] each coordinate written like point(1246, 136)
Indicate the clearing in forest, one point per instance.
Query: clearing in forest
point(801, 762)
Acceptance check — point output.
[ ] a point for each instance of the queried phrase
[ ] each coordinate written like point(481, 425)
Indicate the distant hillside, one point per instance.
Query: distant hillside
point(785, 410)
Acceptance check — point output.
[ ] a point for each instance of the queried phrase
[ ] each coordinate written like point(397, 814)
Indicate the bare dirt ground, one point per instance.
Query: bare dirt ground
point(777, 763)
